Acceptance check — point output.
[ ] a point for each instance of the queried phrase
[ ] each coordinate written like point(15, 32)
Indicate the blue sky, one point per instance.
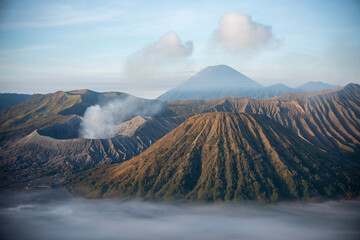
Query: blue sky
point(147, 47)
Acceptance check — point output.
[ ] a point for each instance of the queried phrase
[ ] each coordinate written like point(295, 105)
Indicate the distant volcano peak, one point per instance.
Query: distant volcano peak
point(218, 67)
point(212, 81)
point(219, 70)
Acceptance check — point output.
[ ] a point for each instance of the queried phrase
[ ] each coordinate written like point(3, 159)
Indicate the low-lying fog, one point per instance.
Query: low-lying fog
point(54, 215)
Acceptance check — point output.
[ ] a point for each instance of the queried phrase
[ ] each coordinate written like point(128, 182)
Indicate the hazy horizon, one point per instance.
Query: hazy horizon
point(145, 49)
point(111, 90)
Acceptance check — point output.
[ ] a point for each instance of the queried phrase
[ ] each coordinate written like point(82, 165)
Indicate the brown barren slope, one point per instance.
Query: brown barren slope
point(329, 119)
point(225, 156)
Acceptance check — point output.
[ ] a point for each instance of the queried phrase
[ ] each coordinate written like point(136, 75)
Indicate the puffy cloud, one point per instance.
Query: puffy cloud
point(159, 59)
point(238, 32)
point(169, 46)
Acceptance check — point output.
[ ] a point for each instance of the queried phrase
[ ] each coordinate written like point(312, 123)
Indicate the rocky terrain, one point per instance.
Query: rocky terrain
point(47, 155)
point(328, 119)
point(225, 156)
point(298, 145)
point(44, 110)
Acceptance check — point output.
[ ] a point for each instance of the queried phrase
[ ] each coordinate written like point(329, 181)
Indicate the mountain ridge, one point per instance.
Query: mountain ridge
point(224, 156)
point(314, 86)
point(223, 81)
point(10, 99)
point(43, 110)
point(41, 158)
point(329, 119)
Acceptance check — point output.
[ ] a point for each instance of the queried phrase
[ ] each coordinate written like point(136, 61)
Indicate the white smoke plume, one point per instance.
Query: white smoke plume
point(100, 121)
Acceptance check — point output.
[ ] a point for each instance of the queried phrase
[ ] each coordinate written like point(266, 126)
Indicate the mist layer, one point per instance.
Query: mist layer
point(52, 215)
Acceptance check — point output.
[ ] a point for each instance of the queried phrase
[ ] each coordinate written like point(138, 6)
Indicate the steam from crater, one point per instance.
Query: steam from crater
point(100, 121)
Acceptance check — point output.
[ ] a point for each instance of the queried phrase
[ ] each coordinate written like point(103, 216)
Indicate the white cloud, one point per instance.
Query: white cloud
point(169, 46)
point(158, 60)
point(238, 33)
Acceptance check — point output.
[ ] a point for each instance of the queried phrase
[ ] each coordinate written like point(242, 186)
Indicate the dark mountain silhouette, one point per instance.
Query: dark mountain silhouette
point(10, 99)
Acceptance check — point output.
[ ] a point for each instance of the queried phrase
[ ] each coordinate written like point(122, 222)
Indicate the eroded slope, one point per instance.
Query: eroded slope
point(225, 156)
